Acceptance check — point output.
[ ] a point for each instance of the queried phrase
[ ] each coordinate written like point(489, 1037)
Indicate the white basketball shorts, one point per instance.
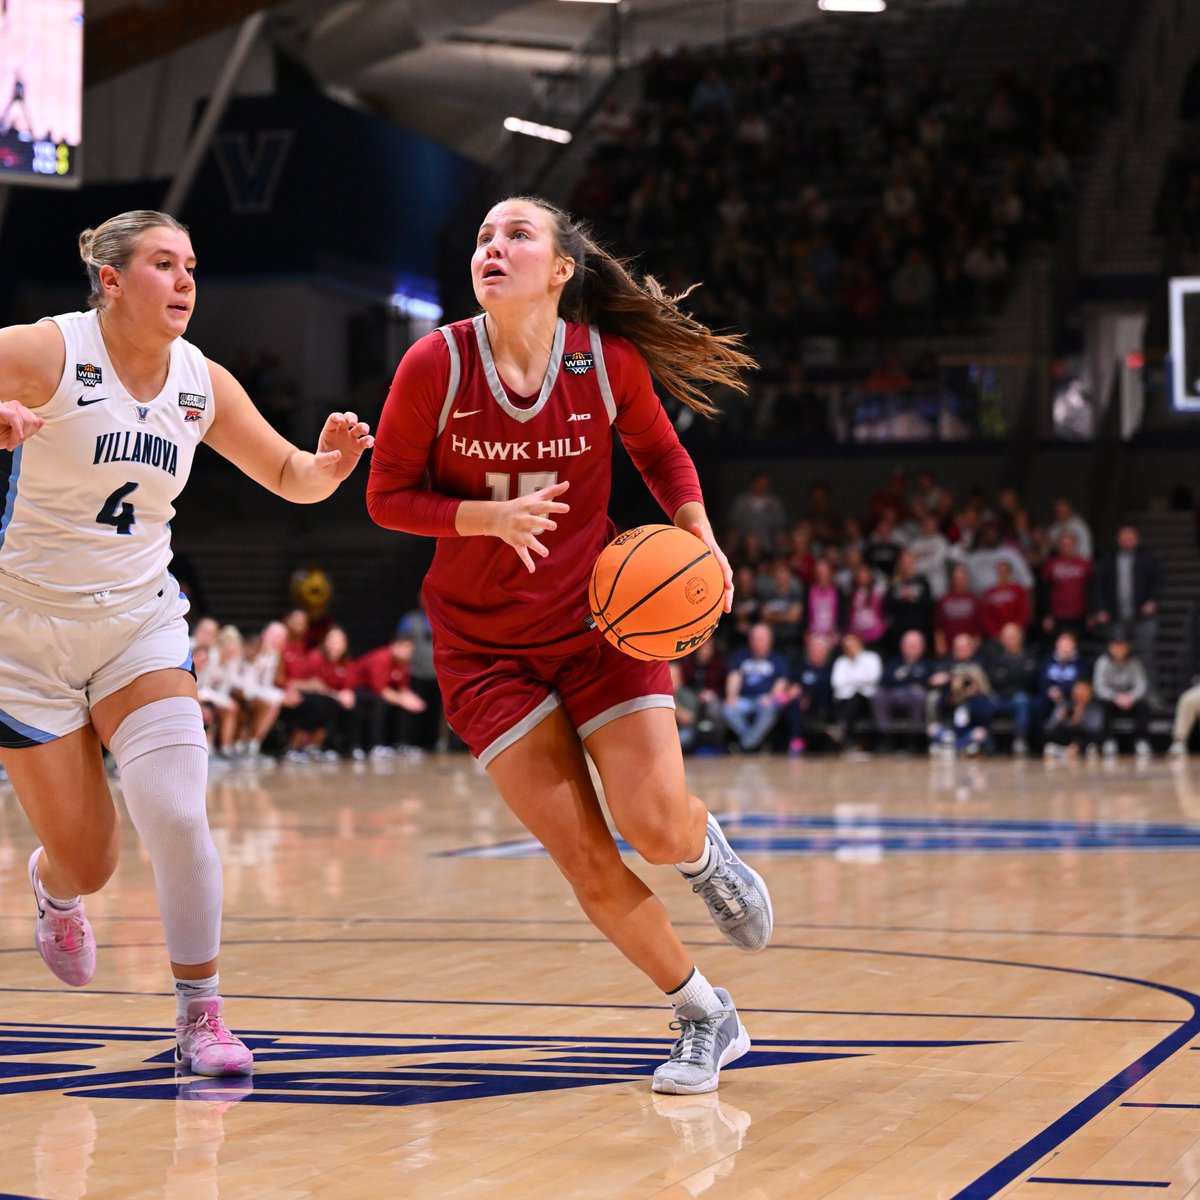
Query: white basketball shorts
point(53, 669)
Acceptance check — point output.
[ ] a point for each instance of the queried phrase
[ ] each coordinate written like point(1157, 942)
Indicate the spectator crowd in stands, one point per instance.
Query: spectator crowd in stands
point(880, 204)
point(928, 623)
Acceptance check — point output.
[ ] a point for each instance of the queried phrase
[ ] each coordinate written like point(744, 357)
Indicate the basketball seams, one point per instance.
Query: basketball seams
point(665, 583)
point(645, 633)
point(625, 562)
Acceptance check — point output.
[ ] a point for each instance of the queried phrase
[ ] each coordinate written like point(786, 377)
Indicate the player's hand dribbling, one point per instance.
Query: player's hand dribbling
point(341, 444)
point(522, 521)
point(17, 424)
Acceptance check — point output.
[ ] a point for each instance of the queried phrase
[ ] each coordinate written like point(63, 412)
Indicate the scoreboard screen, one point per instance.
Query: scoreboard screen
point(41, 91)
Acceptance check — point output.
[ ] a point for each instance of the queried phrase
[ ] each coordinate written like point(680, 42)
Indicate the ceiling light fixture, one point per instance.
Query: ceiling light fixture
point(853, 6)
point(533, 129)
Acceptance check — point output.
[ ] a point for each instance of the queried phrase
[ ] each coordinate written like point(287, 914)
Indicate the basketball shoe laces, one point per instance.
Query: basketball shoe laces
point(66, 926)
point(694, 1045)
point(208, 1028)
point(724, 893)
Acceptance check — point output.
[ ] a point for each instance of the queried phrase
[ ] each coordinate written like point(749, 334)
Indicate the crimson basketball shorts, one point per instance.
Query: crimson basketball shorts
point(493, 700)
point(53, 668)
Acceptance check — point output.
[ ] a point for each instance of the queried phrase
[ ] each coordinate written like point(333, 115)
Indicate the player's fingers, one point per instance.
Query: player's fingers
point(523, 555)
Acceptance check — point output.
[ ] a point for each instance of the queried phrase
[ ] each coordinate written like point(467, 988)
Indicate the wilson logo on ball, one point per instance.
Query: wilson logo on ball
point(656, 592)
point(630, 535)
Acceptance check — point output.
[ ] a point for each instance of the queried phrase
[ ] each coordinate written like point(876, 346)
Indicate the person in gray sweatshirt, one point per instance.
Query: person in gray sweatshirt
point(1120, 684)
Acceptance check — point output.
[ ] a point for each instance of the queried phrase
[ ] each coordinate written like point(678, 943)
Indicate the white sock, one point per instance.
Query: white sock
point(162, 756)
point(53, 901)
point(194, 989)
point(695, 993)
point(694, 868)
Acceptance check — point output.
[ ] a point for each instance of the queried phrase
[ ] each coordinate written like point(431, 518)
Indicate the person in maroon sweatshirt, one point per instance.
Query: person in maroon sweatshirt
point(958, 611)
point(1067, 582)
point(1005, 603)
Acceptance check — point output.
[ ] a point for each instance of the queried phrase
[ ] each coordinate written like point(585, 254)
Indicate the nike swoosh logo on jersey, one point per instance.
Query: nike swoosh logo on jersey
point(83, 401)
point(472, 413)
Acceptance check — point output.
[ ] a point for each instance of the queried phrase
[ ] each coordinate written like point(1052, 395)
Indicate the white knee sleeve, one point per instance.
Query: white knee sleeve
point(162, 755)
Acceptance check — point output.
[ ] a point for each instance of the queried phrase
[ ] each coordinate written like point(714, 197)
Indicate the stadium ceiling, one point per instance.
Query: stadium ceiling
point(450, 69)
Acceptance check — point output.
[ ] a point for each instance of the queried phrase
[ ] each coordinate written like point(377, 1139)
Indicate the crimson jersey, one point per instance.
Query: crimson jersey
point(334, 675)
point(380, 669)
point(452, 431)
point(293, 660)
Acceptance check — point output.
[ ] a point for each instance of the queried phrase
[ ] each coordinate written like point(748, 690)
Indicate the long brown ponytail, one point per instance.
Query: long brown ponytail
point(681, 352)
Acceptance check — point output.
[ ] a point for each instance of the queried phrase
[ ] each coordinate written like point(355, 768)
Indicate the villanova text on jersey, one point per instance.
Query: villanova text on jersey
point(139, 448)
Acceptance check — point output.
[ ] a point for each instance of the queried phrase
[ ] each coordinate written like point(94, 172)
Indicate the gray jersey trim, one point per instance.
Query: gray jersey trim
point(514, 733)
point(455, 376)
point(493, 376)
point(637, 704)
point(610, 404)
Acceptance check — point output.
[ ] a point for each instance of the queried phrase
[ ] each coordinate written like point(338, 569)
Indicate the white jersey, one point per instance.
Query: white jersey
point(86, 503)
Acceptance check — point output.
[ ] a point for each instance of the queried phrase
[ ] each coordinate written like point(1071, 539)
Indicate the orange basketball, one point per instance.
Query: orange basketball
point(657, 592)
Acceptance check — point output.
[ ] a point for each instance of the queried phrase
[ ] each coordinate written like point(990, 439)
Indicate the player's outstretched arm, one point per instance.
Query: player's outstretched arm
point(240, 433)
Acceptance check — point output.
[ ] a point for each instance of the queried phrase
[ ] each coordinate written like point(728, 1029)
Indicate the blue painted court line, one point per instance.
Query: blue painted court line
point(559, 1004)
point(822, 834)
point(1164, 1104)
point(1145, 1183)
point(982, 824)
point(681, 923)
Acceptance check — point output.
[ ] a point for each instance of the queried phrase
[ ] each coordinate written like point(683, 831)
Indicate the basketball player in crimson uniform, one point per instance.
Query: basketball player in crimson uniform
point(510, 418)
point(386, 700)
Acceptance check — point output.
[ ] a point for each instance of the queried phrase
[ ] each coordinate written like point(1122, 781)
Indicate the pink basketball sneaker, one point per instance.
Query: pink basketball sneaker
point(205, 1047)
point(63, 936)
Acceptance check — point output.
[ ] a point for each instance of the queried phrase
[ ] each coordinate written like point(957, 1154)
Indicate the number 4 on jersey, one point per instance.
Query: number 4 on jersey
point(117, 511)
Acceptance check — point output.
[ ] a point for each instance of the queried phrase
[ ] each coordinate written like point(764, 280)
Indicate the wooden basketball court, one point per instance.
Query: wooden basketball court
point(984, 982)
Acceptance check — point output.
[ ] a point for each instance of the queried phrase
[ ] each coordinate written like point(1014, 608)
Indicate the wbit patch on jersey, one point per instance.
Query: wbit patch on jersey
point(191, 416)
point(88, 374)
point(193, 401)
point(578, 362)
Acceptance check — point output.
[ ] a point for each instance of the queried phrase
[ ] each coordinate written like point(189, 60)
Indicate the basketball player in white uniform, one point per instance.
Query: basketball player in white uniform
point(100, 416)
